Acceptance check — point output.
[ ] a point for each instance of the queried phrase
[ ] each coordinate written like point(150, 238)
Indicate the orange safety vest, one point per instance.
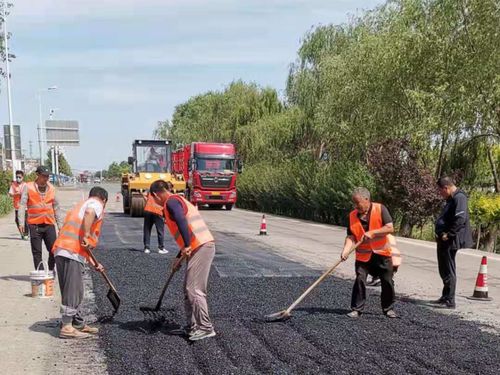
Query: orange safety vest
point(377, 245)
point(152, 206)
point(200, 234)
point(41, 210)
point(17, 191)
point(71, 234)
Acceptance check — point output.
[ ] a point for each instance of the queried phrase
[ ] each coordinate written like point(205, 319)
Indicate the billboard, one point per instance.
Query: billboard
point(62, 133)
point(7, 142)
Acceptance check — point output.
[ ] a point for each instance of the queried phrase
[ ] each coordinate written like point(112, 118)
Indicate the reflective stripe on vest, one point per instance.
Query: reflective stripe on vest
point(198, 230)
point(71, 234)
point(377, 245)
point(40, 210)
point(152, 206)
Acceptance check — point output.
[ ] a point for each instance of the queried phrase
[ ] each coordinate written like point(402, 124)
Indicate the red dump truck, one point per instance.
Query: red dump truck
point(210, 171)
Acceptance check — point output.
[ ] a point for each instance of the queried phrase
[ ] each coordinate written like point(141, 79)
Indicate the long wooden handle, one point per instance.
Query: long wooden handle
point(108, 281)
point(172, 273)
point(321, 278)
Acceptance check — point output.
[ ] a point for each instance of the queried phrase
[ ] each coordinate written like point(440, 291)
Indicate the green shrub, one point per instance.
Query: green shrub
point(485, 216)
point(5, 204)
point(303, 188)
point(5, 180)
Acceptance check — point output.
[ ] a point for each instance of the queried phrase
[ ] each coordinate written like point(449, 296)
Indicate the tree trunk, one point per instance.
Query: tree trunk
point(441, 155)
point(490, 239)
point(406, 227)
point(494, 171)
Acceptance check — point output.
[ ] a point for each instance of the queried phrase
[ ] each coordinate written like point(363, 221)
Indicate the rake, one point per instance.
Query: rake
point(112, 295)
point(286, 314)
point(153, 312)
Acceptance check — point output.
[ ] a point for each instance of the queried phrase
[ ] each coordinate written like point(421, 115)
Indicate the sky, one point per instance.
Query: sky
point(123, 65)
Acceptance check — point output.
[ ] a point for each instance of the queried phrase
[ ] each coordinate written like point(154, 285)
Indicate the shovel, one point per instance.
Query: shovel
point(286, 314)
point(112, 295)
point(153, 311)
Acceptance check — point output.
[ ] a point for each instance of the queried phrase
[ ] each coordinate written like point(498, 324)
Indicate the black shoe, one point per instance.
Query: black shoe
point(450, 305)
point(440, 301)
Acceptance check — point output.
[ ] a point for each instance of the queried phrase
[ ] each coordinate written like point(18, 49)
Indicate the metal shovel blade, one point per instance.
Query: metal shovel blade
point(279, 316)
point(114, 298)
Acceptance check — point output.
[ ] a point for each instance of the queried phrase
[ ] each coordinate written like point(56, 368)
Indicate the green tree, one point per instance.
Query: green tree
point(64, 167)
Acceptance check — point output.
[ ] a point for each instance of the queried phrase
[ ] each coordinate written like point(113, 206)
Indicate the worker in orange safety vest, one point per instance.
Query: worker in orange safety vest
point(80, 231)
point(370, 223)
point(15, 192)
point(197, 246)
point(153, 215)
point(39, 202)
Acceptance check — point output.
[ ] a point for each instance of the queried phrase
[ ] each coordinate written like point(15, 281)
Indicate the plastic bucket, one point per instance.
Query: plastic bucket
point(42, 282)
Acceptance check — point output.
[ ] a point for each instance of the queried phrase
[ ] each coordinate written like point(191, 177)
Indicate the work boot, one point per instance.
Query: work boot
point(162, 251)
point(88, 329)
point(69, 332)
point(200, 335)
point(391, 314)
point(146, 250)
point(354, 314)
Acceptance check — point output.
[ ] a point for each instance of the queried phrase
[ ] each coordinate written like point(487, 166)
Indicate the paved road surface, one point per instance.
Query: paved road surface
point(253, 276)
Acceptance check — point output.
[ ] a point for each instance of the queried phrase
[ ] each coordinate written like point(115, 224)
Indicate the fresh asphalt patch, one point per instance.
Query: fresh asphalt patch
point(246, 283)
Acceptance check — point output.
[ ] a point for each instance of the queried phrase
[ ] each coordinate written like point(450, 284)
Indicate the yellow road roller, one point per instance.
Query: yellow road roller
point(151, 161)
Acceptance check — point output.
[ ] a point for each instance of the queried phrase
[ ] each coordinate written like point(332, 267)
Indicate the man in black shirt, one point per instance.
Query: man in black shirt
point(453, 232)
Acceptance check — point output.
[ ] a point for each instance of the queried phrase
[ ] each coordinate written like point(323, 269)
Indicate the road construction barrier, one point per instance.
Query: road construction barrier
point(481, 288)
point(42, 282)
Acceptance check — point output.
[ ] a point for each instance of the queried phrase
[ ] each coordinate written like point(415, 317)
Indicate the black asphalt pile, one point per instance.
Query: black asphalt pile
point(319, 338)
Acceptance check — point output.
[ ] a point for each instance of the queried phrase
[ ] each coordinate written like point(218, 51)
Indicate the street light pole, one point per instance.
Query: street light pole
point(9, 98)
point(40, 122)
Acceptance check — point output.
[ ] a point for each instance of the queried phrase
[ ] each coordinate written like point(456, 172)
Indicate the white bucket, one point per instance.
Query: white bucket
point(42, 282)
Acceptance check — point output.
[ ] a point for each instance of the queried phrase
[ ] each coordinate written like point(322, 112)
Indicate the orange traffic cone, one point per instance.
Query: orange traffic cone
point(263, 226)
point(117, 197)
point(481, 289)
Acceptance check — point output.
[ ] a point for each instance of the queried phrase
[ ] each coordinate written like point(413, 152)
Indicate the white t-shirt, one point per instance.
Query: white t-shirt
point(98, 208)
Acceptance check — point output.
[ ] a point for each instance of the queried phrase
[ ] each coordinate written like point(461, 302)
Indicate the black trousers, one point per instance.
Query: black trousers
point(47, 234)
point(446, 254)
point(151, 219)
point(25, 222)
point(380, 266)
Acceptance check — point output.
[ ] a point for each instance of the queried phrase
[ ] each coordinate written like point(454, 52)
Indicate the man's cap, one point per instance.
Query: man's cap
point(43, 170)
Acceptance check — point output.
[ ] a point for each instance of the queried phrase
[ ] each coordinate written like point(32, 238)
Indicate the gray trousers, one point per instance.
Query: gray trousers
point(70, 276)
point(195, 288)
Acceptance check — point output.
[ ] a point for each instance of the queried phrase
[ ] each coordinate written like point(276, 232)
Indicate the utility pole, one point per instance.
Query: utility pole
point(40, 122)
point(9, 98)
point(31, 148)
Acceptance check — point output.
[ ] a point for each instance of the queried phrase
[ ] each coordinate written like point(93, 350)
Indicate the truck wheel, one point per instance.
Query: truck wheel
point(229, 207)
point(137, 206)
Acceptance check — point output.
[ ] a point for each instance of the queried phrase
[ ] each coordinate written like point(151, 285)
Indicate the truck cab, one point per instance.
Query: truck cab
point(210, 170)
